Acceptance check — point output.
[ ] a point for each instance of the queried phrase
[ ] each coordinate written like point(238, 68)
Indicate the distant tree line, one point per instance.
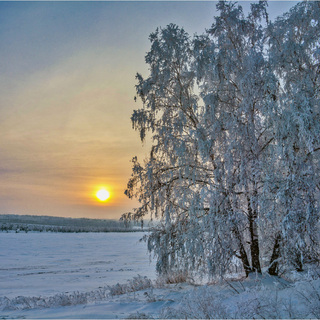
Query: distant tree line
point(27, 223)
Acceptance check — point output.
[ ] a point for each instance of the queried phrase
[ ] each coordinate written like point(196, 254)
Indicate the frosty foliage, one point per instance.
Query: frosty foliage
point(173, 277)
point(57, 300)
point(135, 284)
point(75, 298)
point(234, 115)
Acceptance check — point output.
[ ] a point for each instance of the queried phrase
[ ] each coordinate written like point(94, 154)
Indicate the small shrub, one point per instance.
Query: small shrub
point(136, 284)
point(171, 278)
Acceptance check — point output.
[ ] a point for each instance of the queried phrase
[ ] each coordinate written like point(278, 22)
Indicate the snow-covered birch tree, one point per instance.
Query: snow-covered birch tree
point(295, 58)
point(233, 171)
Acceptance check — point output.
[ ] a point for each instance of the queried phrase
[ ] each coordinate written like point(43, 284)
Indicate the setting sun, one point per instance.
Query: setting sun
point(103, 195)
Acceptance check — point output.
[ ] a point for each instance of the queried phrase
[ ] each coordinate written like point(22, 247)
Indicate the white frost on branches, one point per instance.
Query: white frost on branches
point(234, 114)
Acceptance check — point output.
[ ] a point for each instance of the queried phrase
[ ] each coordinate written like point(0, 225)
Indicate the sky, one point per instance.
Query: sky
point(67, 87)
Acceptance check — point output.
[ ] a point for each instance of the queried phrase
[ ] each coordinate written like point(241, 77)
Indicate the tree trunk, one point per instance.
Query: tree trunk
point(298, 262)
point(274, 266)
point(243, 254)
point(254, 245)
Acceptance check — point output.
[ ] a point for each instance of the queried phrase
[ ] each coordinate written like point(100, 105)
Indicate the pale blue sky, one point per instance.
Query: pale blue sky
point(67, 76)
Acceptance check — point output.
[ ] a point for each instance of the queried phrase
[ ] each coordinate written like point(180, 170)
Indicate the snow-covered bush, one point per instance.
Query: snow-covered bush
point(136, 284)
point(58, 300)
point(171, 278)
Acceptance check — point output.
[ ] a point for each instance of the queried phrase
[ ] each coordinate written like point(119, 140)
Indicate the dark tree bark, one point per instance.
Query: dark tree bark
point(254, 244)
point(243, 254)
point(298, 262)
point(274, 265)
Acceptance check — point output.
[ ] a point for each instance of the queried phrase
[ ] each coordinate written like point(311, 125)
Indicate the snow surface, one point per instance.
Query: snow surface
point(37, 264)
point(61, 276)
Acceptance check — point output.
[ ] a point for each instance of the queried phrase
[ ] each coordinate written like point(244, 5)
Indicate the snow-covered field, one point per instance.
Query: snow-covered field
point(34, 264)
point(56, 275)
point(53, 264)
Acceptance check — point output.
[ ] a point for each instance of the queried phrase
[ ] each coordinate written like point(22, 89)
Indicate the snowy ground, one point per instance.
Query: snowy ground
point(51, 275)
point(34, 264)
